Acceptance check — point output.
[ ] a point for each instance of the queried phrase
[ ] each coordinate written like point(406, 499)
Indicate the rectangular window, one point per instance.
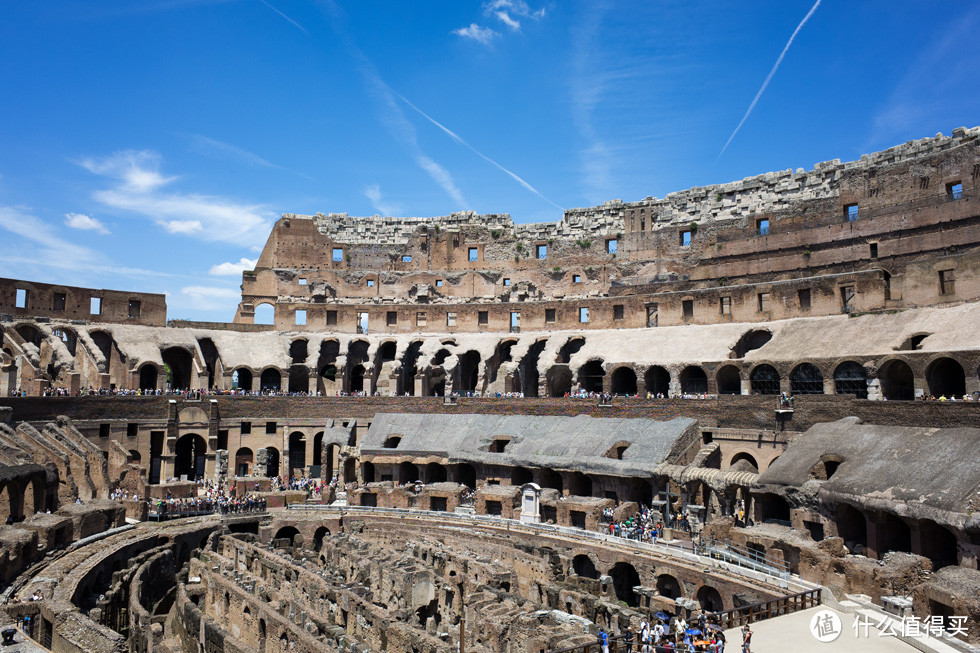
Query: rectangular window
point(132, 430)
point(550, 315)
point(301, 281)
point(583, 314)
point(506, 282)
point(300, 317)
point(95, 306)
point(21, 300)
point(483, 317)
point(362, 323)
point(687, 306)
point(954, 190)
point(726, 305)
point(134, 308)
point(450, 319)
point(612, 245)
point(576, 278)
point(59, 302)
point(686, 238)
point(406, 259)
point(331, 318)
point(370, 283)
point(873, 250)
point(763, 302)
point(515, 322)
point(104, 430)
point(653, 314)
point(619, 311)
point(804, 296)
point(474, 254)
point(420, 319)
point(946, 282)
point(762, 226)
point(338, 254)
point(847, 298)
point(391, 318)
point(270, 428)
point(851, 212)
point(542, 251)
point(438, 283)
point(246, 428)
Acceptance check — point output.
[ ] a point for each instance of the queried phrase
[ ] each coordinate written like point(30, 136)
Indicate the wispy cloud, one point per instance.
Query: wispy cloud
point(483, 35)
point(267, 4)
point(219, 149)
point(206, 297)
point(373, 193)
point(483, 156)
point(84, 222)
point(508, 12)
point(232, 269)
point(139, 190)
point(772, 72)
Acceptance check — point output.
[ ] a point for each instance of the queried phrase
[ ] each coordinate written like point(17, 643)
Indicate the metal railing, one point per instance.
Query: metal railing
point(743, 557)
point(748, 614)
point(163, 511)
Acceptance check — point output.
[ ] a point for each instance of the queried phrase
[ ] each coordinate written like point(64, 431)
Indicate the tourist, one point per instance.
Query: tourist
point(746, 639)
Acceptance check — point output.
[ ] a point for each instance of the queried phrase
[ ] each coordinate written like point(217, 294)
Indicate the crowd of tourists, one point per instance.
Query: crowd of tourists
point(646, 525)
point(172, 508)
point(668, 634)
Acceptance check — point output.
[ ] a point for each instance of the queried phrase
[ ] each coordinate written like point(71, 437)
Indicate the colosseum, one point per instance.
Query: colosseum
point(731, 405)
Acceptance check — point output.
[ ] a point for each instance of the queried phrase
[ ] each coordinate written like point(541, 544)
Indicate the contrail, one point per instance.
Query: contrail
point(284, 16)
point(769, 76)
point(483, 156)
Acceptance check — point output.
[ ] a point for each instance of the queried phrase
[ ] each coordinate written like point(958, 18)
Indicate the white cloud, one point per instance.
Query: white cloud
point(207, 297)
point(138, 189)
point(482, 35)
point(373, 193)
point(212, 147)
point(505, 18)
point(84, 222)
point(232, 269)
point(505, 10)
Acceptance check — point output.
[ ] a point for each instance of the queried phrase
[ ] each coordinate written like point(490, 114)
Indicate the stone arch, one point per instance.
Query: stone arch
point(591, 375)
point(669, 587)
point(897, 380)
point(580, 484)
point(569, 349)
point(466, 475)
point(265, 313)
point(243, 461)
point(894, 534)
point(270, 380)
point(318, 450)
point(357, 374)
point(772, 507)
point(851, 378)
point(287, 533)
point(297, 453)
point(521, 476)
point(148, 376)
point(181, 365)
point(749, 463)
point(135, 456)
point(559, 380)
point(105, 342)
point(584, 566)
point(190, 455)
point(623, 381)
point(408, 473)
point(625, 578)
point(299, 351)
point(299, 378)
point(729, 380)
point(549, 478)
point(945, 377)
point(272, 461)
point(318, 536)
point(657, 380)
point(469, 372)
point(852, 525)
point(765, 380)
point(806, 379)
point(750, 341)
point(241, 378)
point(938, 544)
point(526, 377)
point(710, 599)
point(66, 336)
point(693, 380)
point(436, 473)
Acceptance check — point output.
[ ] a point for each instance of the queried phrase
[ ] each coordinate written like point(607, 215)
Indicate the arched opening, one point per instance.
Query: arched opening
point(298, 351)
point(210, 355)
point(31, 334)
point(318, 450)
point(357, 378)
point(773, 508)
point(765, 380)
point(624, 381)
point(469, 370)
point(640, 491)
point(850, 378)
point(271, 380)
point(590, 376)
point(357, 358)
point(729, 380)
point(580, 485)
point(264, 314)
point(946, 378)
point(897, 382)
point(710, 599)
point(894, 534)
point(242, 379)
point(407, 473)
point(521, 476)
point(668, 586)
point(190, 455)
point(750, 341)
point(693, 381)
point(297, 454)
point(806, 379)
point(526, 375)
point(559, 380)
point(852, 527)
point(435, 473)
point(318, 536)
point(938, 544)
point(272, 461)
point(350, 473)
point(332, 460)
point(299, 379)
point(657, 380)
point(625, 578)
point(287, 533)
point(467, 475)
point(243, 461)
point(179, 362)
point(103, 340)
point(134, 456)
point(569, 349)
point(68, 337)
point(583, 566)
point(826, 468)
point(148, 377)
point(550, 478)
point(326, 364)
point(744, 462)
point(410, 368)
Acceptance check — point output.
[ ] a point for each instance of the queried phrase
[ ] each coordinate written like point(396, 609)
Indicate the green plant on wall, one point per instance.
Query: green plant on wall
point(694, 229)
point(519, 247)
point(584, 243)
point(495, 233)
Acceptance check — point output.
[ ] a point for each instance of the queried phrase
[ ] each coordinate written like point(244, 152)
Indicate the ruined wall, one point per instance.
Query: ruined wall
point(73, 303)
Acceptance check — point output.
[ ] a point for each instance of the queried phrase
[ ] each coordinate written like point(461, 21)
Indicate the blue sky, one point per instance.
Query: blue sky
point(150, 145)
